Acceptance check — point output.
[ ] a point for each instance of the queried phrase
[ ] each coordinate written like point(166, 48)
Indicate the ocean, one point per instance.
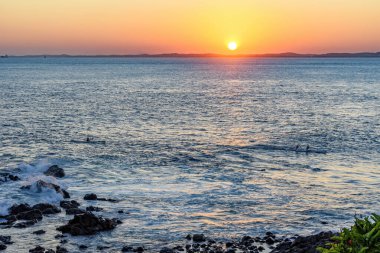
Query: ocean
point(221, 146)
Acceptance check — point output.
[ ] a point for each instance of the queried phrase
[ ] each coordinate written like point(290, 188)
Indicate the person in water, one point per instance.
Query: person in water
point(297, 147)
point(88, 139)
point(307, 148)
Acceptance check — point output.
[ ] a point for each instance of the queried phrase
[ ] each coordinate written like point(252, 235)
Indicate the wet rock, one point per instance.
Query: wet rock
point(3, 246)
point(59, 236)
point(188, 237)
point(25, 224)
point(40, 185)
point(66, 204)
point(61, 249)
point(139, 249)
point(120, 211)
point(90, 196)
point(74, 211)
point(102, 247)
point(4, 177)
point(93, 209)
point(63, 241)
point(269, 241)
point(93, 196)
point(82, 247)
point(87, 224)
point(55, 171)
point(199, 238)
point(178, 248)
point(37, 249)
point(49, 251)
point(30, 215)
point(46, 208)
point(127, 249)
point(167, 250)
point(301, 243)
point(5, 239)
point(19, 208)
point(39, 232)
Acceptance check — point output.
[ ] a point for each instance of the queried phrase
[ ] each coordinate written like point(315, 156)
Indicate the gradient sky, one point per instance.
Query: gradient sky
point(188, 26)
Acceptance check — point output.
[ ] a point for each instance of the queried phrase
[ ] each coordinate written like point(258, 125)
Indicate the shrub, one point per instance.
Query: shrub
point(363, 237)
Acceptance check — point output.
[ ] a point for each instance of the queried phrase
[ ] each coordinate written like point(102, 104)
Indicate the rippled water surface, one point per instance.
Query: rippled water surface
point(194, 145)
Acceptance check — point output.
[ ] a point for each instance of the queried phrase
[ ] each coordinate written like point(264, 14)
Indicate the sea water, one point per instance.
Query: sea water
point(193, 145)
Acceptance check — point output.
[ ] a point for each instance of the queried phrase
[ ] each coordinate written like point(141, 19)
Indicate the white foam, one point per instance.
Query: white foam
point(4, 206)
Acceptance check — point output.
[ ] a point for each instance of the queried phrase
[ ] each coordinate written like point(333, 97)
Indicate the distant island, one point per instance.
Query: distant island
point(177, 55)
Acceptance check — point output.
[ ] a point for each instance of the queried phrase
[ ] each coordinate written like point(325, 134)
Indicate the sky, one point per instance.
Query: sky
point(188, 26)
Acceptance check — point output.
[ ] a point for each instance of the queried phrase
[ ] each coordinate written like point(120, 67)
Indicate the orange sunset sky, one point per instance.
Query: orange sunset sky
point(188, 26)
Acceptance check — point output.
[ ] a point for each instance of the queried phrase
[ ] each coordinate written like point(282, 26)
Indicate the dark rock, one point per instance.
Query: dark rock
point(46, 208)
point(55, 171)
point(30, 215)
point(199, 238)
point(82, 247)
point(127, 249)
point(60, 249)
point(231, 251)
point(3, 246)
point(120, 211)
point(74, 211)
point(13, 178)
point(179, 248)
point(188, 237)
point(167, 250)
point(260, 248)
point(269, 241)
point(40, 184)
point(37, 249)
point(63, 241)
point(229, 244)
point(93, 209)
point(90, 196)
point(5, 239)
point(303, 244)
point(66, 204)
point(102, 247)
point(49, 251)
point(39, 232)
point(87, 224)
point(59, 236)
point(25, 224)
point(16, 209)
point(139, 249)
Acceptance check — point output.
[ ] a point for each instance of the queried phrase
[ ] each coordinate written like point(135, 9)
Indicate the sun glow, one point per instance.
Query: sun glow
point(232, 45)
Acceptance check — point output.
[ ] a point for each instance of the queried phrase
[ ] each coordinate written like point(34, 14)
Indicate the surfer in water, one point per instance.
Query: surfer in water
point(307, 148)
point(297, 147)
point(88, 139)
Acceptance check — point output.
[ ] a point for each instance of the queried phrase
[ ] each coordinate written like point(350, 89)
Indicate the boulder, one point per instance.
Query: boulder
point(40, 184)
point(66, 204)
point(93, 209)
point(90, 196)
point(19, 208)
point(5, 239)
point(2, 246)
point(47, 208)
point(87, 224)
point(30, 215)
point(199, 238)
point(55, 171)
point(74, 211)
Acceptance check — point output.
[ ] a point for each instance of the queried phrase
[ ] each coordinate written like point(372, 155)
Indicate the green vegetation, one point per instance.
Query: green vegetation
point(363, 237)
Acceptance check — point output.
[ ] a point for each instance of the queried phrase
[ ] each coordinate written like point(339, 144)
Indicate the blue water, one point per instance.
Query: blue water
point(194, 145)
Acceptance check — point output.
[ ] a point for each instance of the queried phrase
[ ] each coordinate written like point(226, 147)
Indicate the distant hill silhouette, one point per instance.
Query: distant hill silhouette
point(177, 55)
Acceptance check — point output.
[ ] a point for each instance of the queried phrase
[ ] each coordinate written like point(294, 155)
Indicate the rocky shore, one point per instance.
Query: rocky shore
point(85, 222)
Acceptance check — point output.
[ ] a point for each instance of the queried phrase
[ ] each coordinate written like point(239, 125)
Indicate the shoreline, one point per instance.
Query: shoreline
point(89, 221)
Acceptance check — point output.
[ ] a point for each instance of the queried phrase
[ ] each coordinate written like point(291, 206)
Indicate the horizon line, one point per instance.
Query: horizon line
point(209, 55)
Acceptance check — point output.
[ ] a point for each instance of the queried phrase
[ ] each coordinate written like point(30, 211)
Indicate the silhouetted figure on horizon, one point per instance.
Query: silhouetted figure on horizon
point(307, 148)
point(297, 147)
point(88, 139)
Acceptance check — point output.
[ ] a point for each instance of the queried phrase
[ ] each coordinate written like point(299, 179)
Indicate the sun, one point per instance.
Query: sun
point(232, 45)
